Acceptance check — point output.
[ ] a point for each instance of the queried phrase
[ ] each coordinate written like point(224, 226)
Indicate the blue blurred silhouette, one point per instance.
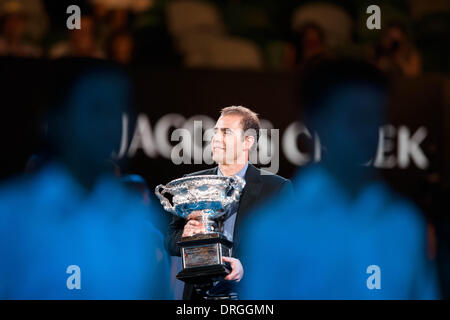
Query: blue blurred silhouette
point(74, 212)
point(345, 234)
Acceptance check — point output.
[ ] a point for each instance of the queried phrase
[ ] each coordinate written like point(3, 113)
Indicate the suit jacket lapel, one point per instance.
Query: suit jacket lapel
point(249, 197)
point(212, 171)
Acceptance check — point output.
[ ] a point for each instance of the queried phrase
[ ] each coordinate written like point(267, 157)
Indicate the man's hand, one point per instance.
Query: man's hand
point(237, 270)
point(193, 226)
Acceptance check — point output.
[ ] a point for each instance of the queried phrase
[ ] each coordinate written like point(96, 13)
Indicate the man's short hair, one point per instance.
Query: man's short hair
point(249, 122)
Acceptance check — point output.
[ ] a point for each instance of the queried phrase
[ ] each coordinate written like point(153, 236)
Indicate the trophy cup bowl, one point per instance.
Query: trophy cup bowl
point(214, 197)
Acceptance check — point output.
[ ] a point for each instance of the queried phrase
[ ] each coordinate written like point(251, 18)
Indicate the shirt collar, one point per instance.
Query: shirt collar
point(241, 172)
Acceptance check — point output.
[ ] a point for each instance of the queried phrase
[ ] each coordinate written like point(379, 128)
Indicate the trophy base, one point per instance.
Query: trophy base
point(202, 257)
point(203, 274)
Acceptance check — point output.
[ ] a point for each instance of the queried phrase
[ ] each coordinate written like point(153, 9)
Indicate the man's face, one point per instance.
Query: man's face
point(228, 143)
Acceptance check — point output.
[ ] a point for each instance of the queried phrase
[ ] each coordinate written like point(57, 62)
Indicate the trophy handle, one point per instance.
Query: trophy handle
point(164, 201)
point(237, 183)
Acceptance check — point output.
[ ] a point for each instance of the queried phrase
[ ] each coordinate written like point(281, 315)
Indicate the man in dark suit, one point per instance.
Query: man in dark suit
point(235, 134)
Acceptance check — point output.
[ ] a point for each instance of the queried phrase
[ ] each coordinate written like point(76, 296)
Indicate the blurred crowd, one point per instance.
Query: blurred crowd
point(231, 34)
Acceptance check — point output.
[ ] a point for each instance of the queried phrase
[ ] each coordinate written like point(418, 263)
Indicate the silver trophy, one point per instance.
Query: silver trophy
point(216, 198)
